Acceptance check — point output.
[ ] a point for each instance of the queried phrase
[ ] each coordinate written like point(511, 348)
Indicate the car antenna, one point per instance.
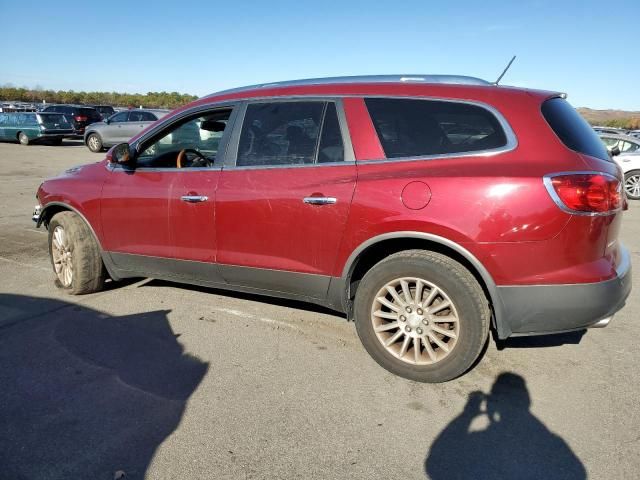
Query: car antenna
point(504, 71)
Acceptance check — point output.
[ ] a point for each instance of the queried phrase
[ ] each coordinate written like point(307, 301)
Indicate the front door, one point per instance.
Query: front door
point(283, 204)
point(159, 217)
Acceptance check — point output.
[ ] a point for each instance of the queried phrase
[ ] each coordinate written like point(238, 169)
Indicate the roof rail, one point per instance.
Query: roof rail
point(407, 78)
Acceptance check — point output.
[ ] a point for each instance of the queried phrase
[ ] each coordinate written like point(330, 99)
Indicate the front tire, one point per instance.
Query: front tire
point(75, 255)
point(94, 143)
point(422, 316)
point(23, 138)
point(632, 184)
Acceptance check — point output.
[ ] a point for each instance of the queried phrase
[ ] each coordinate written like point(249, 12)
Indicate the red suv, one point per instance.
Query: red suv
point(429, 209)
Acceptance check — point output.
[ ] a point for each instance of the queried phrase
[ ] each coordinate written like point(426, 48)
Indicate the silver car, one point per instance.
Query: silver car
point(119, 128)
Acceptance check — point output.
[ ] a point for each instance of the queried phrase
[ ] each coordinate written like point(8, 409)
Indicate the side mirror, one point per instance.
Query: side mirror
point(615, 151)
point(106, 120)
point(120, 154)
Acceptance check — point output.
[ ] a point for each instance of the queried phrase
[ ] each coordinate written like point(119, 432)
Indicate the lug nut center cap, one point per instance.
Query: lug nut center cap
point(414, 320)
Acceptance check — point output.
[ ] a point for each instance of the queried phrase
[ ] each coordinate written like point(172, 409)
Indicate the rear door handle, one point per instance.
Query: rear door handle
point(320, 200)
point(194, 198)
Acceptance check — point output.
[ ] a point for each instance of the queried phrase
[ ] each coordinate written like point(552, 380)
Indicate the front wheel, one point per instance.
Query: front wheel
point(23, 139)
point(75, 255)
point(422, 316)
point(632, 184)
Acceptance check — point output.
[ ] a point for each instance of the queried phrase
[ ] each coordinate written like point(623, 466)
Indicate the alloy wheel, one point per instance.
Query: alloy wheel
point(61, 254)
point(415, 321)
point(632, 186)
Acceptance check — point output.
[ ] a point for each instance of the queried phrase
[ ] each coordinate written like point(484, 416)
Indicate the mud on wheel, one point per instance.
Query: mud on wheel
point(422, 315)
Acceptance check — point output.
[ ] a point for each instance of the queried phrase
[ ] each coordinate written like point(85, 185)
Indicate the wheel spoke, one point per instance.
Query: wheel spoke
point(406, 292)
point(419, 289)
point(443, 319)
point(432, 295)
point(429, 349)
point(387, 326)
point(441, 306)
point(416, 349)
point(393, 339)
point(405, 345)
point(444, 331)
point(438, 342)
point(388, 304)
point(395, 295)
point(387, 315)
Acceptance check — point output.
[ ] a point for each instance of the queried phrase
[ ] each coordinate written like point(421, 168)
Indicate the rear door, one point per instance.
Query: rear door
point(284, 198)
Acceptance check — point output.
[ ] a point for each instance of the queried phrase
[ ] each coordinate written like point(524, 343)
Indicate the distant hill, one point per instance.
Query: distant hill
point(611, 118)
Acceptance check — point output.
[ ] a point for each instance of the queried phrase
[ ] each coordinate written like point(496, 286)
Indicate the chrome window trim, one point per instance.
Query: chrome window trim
point(556, 199)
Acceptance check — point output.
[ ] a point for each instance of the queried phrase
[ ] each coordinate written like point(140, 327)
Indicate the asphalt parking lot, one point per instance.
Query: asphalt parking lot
point(160, 380)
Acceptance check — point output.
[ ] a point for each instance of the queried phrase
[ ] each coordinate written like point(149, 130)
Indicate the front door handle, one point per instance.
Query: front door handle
point(320, 200)
point(194, 198)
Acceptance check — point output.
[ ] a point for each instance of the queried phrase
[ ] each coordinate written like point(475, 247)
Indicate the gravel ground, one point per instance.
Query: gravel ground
point(160, 380)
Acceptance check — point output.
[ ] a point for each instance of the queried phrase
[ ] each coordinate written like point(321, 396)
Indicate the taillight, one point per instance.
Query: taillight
point(586, 193)
point(80, 118)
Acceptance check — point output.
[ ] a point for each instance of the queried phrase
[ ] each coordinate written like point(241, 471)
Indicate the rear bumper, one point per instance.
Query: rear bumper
point(543, 309)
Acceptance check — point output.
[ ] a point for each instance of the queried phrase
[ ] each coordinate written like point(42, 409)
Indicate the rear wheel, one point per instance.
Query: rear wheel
point(75, 255)
point(23, 139)
point(632, 184)
point(94, 142)
point(422, 316)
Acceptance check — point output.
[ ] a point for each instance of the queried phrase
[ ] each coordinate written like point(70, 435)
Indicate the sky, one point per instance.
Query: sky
point(588, 49)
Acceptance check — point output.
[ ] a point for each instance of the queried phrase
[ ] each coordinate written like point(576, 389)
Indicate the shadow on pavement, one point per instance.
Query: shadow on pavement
point(497, 437)
point(85, 394)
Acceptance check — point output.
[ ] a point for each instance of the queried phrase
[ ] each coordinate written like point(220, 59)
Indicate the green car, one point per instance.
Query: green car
point(29, 127)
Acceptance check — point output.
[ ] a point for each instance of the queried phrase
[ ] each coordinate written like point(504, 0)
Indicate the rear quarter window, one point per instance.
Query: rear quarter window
point(572, 129)
point(413, 128)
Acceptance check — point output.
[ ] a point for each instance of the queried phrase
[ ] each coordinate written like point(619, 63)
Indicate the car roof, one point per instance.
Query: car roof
point(453, 86)
point(361, 79)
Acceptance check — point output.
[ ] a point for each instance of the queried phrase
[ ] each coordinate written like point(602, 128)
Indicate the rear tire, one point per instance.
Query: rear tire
point(632, 184)
point(23, 139)
point(94, 143)
point(75, 255)
point(422, 316)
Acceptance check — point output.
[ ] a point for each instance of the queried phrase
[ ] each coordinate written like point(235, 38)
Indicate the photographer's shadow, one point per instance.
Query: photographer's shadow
point(496, 436)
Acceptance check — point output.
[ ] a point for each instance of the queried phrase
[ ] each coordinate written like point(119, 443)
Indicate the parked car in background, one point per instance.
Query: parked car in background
point(634, 133)
point(610, 130)
point(79, 115)
point(120, 127)
point(105, 111)
point(625, 150)
point(430, 209)
point(31, 127)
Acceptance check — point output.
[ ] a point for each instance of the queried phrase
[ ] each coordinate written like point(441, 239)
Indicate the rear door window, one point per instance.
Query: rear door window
point(572, 129)
point(280, 133)
point(414, 128)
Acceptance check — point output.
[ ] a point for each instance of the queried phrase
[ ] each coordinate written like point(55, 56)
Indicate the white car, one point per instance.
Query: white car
point(628, 158)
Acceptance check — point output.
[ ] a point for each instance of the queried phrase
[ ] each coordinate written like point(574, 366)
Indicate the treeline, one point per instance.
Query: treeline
point(632, 123)
point(149, 100)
